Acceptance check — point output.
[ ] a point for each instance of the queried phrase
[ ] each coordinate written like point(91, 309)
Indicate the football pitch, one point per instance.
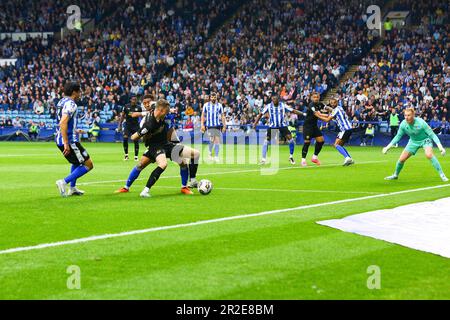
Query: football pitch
point(254, 237)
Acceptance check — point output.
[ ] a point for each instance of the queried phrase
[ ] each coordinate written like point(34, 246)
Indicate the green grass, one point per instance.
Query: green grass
point(278, 256)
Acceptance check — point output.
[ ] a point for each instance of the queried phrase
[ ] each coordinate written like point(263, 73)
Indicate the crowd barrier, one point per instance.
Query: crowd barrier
point(231, 137)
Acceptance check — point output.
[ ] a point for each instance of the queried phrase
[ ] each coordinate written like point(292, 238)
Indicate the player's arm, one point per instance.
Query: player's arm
point(122, 117)
point(323, 117)
point(224, 120)
point(434, 137)
point(138, 114)
point(202, 119)
point(135, 136)
point(297, 112)
point(258, 117)
point(138, 135)
point(399, 135)
point(143, 130)
point(63, 124)
point(171, 135)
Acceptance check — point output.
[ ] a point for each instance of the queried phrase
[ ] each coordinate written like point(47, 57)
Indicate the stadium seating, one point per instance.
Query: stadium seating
point(243, 50)
point(410, 69)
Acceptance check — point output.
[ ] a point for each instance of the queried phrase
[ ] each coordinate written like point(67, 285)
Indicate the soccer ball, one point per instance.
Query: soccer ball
point(204, 187)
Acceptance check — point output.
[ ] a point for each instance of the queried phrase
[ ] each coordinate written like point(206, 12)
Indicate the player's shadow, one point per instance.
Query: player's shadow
point(118, 197)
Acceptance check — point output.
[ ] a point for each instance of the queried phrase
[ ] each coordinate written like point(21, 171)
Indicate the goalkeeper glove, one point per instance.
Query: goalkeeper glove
point(386, 149)
point(442, 149)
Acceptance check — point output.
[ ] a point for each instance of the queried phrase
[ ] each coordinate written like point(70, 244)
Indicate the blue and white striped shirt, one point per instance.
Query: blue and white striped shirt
point(341, 118)
point(213, 114)
point(276, 114)
point(66, 106)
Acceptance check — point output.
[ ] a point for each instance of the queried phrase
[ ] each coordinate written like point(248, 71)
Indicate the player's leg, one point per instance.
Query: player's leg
point(291, 142)
point(74, 191)
point(339, 145)
point(305, 148)
point(125, 145)
point(161, 162)
point(135, 172)
point(79, 157)
point(194, 157)
point(184, 173)
point(435, 162)
point(211, 144)
point(266, 146)
point(136, 143)
point(291, 148)
point(406, 154)
point(317, 148)
point(136, 150)
point(216, 144)
point(175, 153)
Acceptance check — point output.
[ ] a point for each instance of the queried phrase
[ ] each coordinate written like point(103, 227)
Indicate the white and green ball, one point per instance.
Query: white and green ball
point(204, 187)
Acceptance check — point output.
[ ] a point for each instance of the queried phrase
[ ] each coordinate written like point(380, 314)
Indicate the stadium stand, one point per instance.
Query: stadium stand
point(112, 62)
point(410, 69)
point(256, 53)
point(48, 15)
point(243, 50)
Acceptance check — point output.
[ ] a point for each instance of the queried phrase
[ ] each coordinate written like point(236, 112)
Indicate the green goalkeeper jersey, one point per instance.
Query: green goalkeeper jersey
point(417, 132)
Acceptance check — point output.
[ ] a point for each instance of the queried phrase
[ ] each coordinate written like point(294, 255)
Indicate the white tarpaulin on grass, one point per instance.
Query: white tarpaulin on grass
point(423, 226)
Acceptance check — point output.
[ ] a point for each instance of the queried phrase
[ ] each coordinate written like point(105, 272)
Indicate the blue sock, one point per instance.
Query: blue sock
point(216, 149)
point(343, 151)
point(73, 183)
point(291, 146)
point(134, 174)
point(184, 173)
point(264, 150)
point(76, 174)
point(210, 147)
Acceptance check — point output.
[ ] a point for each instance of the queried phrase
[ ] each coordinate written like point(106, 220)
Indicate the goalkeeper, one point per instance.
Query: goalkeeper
point(420, 136)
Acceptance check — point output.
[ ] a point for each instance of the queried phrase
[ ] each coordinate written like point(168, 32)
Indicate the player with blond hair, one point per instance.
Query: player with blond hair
point(420, 136)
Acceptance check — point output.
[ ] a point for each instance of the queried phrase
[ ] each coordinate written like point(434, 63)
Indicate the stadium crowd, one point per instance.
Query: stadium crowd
point(184, 52)
point(427, 13)
point(125, 55)
point(410, 69)
point(270, 45)
point(48, 15)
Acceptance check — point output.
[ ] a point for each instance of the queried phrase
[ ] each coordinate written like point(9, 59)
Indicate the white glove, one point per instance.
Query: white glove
point(386, 149)
point(442, 150)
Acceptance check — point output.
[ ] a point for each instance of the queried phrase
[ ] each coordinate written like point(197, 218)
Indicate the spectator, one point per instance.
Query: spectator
point(394, 122)
point(8, 123)
point(369, 134)
point(38, 107)
point(33, 130)
point(17, 123)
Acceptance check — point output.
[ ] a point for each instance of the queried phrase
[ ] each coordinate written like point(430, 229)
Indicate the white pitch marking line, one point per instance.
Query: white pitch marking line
point(228, 172)
point(25, 155)
point(277, 190)
point(284, 190)
point(190, 224)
